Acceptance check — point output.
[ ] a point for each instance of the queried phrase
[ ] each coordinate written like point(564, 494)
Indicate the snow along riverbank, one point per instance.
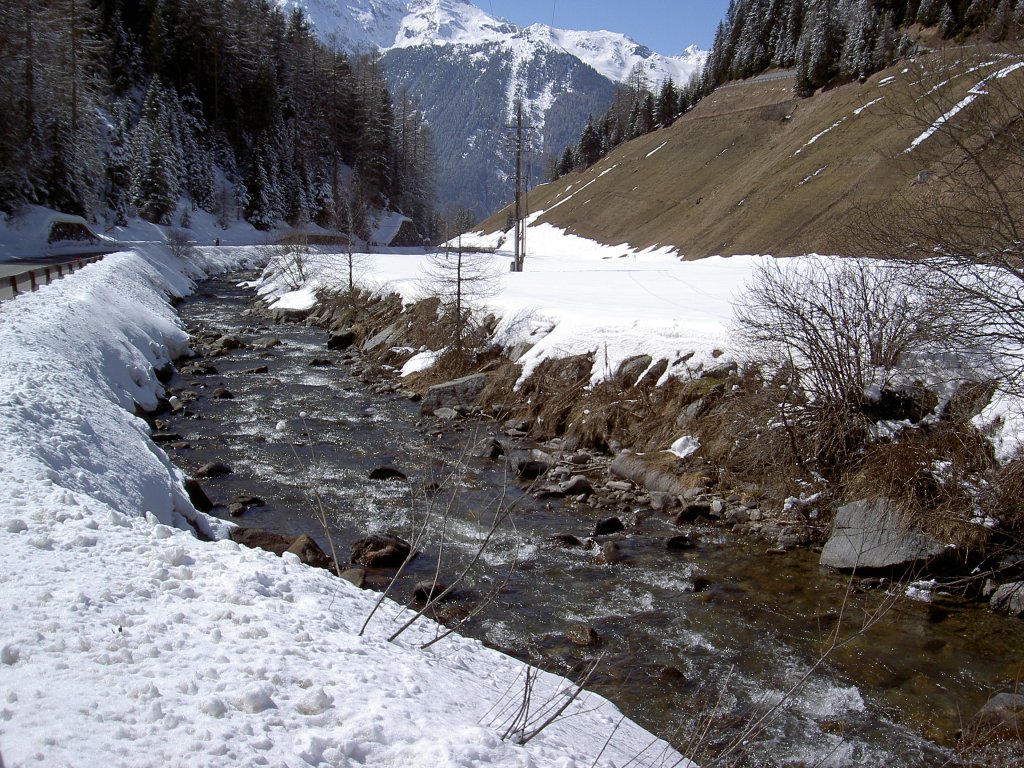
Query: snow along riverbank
point(125, 640)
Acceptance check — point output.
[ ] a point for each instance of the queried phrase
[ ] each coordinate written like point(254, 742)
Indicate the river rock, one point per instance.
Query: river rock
point(1001, 719)
point(380, 551)
point(691, 513)
point(530, 469)
point(653, 374)
point(389, 337)
point(611, 553)
point(608, 526)
point(257, 538)
point(222, 393)
point(228, 342)
point(387, 473)
point(582, 635)
point(200, 368)
point(197, 495)
point(310, 552)
point(631, 369)
point(660, 501)
point(341, 340)
point(577, 485)
point(680, 543)
point(566, 540)
point(873, 533)
point(452, 394)
point(258, 369)
point(213, 469)
point(242, 503)
point(1009, 599)
point(320, 362)
point(638, 470)
point(425, 590)
point(489, 448)
point(266, 342)
point(446, 414)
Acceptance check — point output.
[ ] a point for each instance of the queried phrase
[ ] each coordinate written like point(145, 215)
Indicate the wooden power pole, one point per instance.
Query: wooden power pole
point(519, 182)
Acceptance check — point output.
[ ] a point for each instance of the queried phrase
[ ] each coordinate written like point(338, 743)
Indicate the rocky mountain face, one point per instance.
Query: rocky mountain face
point(467, 69)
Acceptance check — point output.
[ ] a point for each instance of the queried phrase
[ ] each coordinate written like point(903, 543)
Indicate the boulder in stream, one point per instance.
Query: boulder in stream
point(213, 469)
point(427, 590)
point(1001, 719)
point(257, 538)
point(197, 495)
point(875, 534)
point(582, 635)
point(310, 552)
point(1009, 599)
point(387, 473)
point(380, 550)
point(463, 392)
point(341, 340)
point(608, 526)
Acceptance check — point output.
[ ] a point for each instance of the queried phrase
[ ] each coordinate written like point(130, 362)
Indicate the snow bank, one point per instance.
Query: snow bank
point(575, 296)
point(126, 641)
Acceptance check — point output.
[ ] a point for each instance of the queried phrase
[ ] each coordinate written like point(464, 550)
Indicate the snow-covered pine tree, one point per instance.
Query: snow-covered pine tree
point(929, 12)
point(119, 164)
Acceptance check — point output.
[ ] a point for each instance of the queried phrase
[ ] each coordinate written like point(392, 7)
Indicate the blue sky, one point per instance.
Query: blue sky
point(666, 26)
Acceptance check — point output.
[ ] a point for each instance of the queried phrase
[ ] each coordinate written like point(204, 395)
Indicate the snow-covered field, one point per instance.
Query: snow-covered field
point(576, 296)
point(126, 641)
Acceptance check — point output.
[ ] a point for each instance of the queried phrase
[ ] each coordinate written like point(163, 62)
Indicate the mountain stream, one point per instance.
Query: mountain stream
point(691, 644)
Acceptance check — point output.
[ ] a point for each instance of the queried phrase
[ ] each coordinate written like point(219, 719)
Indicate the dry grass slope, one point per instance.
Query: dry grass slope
point(739, 174)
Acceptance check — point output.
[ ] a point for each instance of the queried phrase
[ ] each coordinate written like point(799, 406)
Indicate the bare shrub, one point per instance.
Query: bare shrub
point(292, 263)
point(834, 335)
point(180, 243)
point(462, 280)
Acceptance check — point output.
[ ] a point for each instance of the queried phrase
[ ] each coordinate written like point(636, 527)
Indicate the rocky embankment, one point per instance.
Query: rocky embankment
point(603, 447)
point(625, 502)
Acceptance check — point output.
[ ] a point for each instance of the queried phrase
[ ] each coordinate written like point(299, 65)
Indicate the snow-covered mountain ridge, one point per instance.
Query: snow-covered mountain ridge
point(387, 24)
point(467, 69)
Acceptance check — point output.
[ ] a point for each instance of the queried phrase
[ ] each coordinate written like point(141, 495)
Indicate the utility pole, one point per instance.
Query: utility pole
point(519, 182)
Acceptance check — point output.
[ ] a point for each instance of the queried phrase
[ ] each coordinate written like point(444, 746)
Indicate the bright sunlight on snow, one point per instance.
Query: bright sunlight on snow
point(127, 641)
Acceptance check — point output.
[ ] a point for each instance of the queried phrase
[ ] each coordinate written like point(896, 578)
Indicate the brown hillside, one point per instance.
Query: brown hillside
point(736, 174)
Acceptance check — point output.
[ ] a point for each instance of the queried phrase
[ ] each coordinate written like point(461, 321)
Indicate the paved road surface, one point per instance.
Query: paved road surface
point(16, 274)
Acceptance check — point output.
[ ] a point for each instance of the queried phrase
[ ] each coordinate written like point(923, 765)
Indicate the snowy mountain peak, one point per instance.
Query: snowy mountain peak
point(431, 22)
point(388, 24)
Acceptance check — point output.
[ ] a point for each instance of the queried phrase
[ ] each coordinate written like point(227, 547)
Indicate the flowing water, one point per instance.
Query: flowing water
point(691, 643)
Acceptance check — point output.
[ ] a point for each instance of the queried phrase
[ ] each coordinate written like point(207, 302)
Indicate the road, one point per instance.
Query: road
point(18, 275)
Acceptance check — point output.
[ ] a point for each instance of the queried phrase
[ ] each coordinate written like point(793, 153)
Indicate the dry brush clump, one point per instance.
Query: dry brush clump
point(939, 473)
point(850, 352)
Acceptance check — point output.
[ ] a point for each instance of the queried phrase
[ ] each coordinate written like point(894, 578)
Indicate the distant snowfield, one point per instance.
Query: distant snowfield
point(576, 296)
point(126, 641)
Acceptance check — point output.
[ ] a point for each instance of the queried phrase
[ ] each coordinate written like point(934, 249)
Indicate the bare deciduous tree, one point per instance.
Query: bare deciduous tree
point(462, 280)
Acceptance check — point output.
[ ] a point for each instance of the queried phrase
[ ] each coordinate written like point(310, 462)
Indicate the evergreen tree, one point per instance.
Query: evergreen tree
point(590, 145)
point(929, 12)
point(567, 163)
point(668, 103)
point(119, 165)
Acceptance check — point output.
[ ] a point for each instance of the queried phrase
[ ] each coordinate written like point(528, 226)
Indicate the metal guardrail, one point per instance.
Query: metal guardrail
point(35, 275)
